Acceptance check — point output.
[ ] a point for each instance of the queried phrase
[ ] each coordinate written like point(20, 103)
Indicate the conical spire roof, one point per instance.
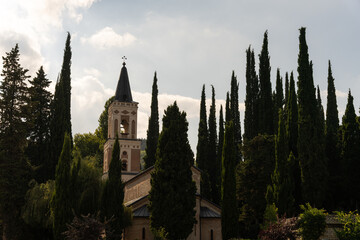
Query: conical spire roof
point(123, 91)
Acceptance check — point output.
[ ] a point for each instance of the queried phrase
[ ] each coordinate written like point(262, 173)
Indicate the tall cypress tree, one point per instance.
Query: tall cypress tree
point(171, 181)
point(229, 216)
point(61, 201)
point(286, 91)
point(220, 148)
point(251, 100)
point(113, 193)
point(39, 136)
point(153, 128)
point(350, 156)
point(292, 138)
point(266, 125)
point(227, 108)
point(213, 164)
point(321, 114)
point(61, 112)
point(282, 179)
point(235, 114)
point(311, 151)
point(14, 117)
point(203, 148)
point(332, 142)
point(279, 99)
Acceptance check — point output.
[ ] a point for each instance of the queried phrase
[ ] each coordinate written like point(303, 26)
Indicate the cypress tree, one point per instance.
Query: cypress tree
point(286, 92)
point(282, 182)
point(251, 100)
point(171, 181)
point(350, 156)
point(227, 108)
point(61, 201)
point(113, 193)
point(203, 148)
point(153, 129)
point(331, 142)
point(229, 216)
point(310, 148)
point(39, 136)
point(61, 113)
point(235, 114)
point(219, 149)
point(266, 125)
point(213, 164)
point(321, 114)
point(14, 124)
point(279, 99)
point(292, 138)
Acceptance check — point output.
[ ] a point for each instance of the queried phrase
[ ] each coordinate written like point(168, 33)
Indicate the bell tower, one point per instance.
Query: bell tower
point(122, 120)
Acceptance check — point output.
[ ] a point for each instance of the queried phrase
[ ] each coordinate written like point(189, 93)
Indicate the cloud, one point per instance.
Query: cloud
point(34, 24)
point(108, 38)
point(339, 94)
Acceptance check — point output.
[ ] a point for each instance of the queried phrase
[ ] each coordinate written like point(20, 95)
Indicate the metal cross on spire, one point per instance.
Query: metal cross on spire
point(124, 59)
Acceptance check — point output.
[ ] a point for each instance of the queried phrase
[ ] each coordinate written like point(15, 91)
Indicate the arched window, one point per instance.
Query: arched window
point(124, 165)
point(116, 124)
point(143, 234)
point(124, 127)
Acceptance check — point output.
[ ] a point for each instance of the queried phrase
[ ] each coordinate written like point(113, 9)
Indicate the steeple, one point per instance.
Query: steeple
point(123, 91)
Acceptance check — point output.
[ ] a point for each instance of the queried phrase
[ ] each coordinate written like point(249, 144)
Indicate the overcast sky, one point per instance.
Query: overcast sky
point(188, 43)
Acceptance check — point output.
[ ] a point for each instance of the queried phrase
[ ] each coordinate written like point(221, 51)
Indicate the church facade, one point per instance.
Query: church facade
point(122, 120)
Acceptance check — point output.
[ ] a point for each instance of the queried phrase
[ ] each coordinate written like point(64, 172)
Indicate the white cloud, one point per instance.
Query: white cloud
point(339, 94)
point(108, 38)
point(33, 23)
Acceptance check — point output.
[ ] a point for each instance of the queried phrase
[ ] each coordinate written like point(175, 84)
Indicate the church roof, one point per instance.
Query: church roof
point(208, 213)
point(123, 91)
point(141, 212)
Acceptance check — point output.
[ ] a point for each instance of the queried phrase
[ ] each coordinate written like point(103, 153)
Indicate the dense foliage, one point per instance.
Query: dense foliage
point(312, 222)
point(351, 226)
point(172, 194)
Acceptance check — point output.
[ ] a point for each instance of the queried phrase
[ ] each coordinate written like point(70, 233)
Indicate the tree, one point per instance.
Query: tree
point(113, 194)
point(350, 156)
point(61, 203)
point(171, 181)
point(332, 141)
point(153, 129)
point(227, 108)
point(287, 88)
point(266, 125)
point(102, 130)
point(89, 145)
point(310, 150)
point(14, 124)
point(282, 188)
point(312, 222)
point(235, 114)
point(279, 99)
point(229, 215)
point(213, 163)
point(251, 100)
point(61, 112)
point(292, 138)
point(39, 136)
point(253, 177)
point(220, 148)
point(203, 148)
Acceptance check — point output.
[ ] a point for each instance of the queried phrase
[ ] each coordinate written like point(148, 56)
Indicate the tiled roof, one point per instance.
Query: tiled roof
point(141, 212)
point(208, 213)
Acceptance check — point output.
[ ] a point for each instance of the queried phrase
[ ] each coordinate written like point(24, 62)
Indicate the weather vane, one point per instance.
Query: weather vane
point(124, 59)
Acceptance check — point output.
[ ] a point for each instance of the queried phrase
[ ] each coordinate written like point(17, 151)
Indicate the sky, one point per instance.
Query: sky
point(188, 43)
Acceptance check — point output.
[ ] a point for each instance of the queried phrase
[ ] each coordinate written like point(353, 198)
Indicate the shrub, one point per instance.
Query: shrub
point(351, 226)
point(282, 229)
point(270, 215)
point(312, 222)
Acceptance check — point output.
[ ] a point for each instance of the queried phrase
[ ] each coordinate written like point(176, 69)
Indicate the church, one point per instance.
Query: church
point(122, 120)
